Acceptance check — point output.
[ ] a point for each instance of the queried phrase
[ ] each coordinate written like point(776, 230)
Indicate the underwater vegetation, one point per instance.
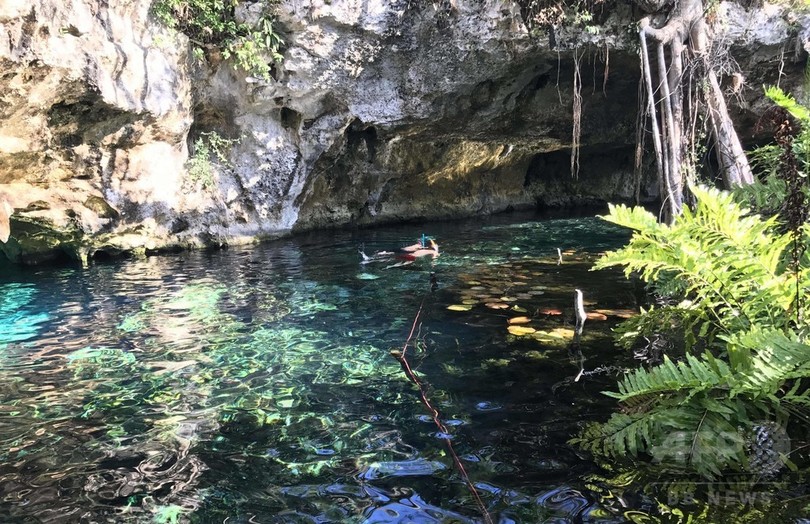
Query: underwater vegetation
point(258, 383)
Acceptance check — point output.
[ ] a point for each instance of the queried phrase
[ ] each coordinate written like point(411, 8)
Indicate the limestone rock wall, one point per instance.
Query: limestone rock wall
point(382, 110)
point(94, 112)
point(392, 110)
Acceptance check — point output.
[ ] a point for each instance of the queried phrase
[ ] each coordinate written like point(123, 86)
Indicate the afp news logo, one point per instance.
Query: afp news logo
point(742, 493)
point(763, 449)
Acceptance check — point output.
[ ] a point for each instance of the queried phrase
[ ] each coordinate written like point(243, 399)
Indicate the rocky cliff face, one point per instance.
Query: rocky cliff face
point(382, 110)
point(94, 112)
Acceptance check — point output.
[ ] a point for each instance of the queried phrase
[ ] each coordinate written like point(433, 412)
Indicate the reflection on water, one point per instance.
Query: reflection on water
point(256, 385)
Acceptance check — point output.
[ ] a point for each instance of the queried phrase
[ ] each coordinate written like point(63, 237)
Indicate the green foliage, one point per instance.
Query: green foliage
point(738, 293)
point(211, 24)
point(583, 14)
point(788, 103)
point(686, 415)
point(769, 196)
point(208, 147)
point(727, 265)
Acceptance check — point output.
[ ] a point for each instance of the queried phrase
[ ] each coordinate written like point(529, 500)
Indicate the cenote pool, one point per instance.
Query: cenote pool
point(255, 384)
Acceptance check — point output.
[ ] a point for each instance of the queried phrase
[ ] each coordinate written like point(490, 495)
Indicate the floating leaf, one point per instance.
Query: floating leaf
point(621, 313)
point(508, 299)
point(460, 307)
point(496, 305)
point(549, 311)
point(519, 309)
point(472, 301)
point(550, 338)
point(566, 333)
point(519, 320)
point(595, 315)
point(521, 330)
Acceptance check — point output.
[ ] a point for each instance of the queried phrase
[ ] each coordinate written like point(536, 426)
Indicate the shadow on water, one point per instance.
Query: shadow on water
point(256, 385)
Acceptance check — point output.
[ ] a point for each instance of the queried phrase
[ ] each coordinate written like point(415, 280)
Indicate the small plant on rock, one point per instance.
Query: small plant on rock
point(208, 148)
point(212, 25)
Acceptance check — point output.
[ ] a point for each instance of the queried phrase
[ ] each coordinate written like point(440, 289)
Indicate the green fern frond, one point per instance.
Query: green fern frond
point(693, 376)
point(775, 358)
point(738, 286)
point(731, 263)
point(695, 435)
point(788, 103)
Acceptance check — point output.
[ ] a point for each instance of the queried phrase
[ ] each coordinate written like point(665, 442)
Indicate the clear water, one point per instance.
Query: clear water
point(256, 384)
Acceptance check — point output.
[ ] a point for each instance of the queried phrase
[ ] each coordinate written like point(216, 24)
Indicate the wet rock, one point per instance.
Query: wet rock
point(5, 223)
point(384, 110)
point(100, 207)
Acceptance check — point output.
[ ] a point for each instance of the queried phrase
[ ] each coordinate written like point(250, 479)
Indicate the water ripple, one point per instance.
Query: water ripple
point(256, 384)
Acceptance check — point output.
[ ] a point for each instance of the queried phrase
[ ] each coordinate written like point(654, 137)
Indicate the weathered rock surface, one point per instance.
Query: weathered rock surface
point(94, 111)
point(382, 110)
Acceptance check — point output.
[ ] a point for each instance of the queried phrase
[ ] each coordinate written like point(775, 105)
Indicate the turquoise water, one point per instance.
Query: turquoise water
point(256, 384)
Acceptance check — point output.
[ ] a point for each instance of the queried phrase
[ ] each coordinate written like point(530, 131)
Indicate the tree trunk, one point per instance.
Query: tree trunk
point(686, 26)
point(730, 154)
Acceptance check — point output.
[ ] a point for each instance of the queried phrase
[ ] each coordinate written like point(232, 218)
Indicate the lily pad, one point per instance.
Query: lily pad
point(521, 330)
point(621, 313)
point(595, 315)
point(496, 305)
point(519, 320)
point(460, 307)
point(550, 338)
point(566, 333)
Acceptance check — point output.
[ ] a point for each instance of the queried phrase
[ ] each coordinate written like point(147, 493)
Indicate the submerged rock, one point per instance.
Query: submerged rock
point(404, 468)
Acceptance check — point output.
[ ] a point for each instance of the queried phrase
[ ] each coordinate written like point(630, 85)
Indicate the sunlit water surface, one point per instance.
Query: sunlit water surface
point(256, 384)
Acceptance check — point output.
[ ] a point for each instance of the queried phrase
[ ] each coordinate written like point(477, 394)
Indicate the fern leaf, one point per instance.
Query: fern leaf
point(788, 103)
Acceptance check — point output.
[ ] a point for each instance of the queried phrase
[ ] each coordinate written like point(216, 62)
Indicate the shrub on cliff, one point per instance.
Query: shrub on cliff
point(212, 25)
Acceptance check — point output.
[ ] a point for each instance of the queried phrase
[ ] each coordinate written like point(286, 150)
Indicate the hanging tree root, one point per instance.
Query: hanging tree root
point(576, 128)
point(686, 26)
